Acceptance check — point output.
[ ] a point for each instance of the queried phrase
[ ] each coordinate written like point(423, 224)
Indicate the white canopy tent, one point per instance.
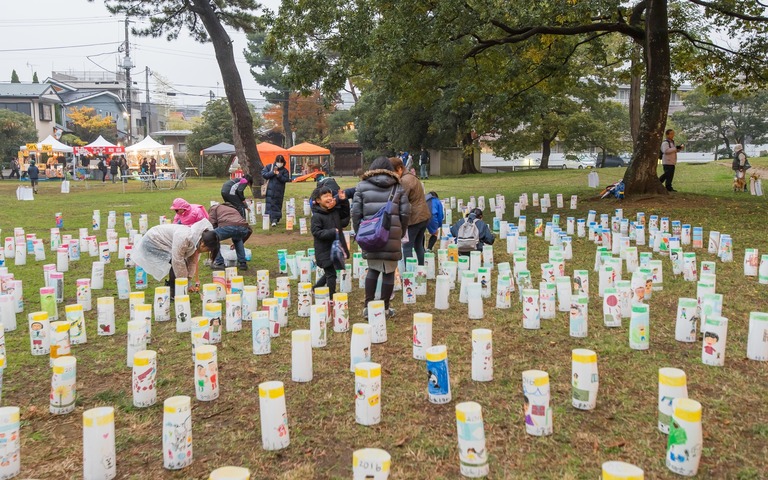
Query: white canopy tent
point(149, 148)
point(55, 145)
point(55, 151)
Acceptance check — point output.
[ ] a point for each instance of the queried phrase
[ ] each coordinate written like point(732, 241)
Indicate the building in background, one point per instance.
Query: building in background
point(38, 100)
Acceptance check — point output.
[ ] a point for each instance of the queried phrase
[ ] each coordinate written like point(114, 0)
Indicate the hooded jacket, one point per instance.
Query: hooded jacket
point(166, 246)
point(235, 188)
point(371, 194)
point(485, 234)
point(437, 214)
point(191, 214)
point(325, 224)
point(414, 190)
point(275, 190)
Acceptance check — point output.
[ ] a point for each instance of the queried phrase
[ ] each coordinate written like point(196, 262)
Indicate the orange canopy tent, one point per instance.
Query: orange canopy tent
point(308, 149)
point(267, 153)
point(306, 159)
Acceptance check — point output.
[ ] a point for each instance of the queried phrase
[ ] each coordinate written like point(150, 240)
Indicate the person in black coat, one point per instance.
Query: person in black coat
point(329, 217)
point(276, 176)
point(114, 167)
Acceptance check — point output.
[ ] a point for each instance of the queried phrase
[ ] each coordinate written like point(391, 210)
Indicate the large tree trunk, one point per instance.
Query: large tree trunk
point(468, 152)
point(546, 149)
point(641, 176)
point(286, 103)
point(634, 92)
point(242, 121)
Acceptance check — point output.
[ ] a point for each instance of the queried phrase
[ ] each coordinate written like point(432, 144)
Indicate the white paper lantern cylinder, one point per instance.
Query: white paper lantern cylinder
point(467, 277)
point(123, 284)
point(229, 274)
point(757, 341)
point(301, 356)
point(77, 332)
point(8, 312)
point(219, 278)
point(305, 269)
point(422, 334)
point(182, 313)
point(482, 355)
point(360, 345)
point(212, 311)
point(181, 286)
point(261, 340)
point(39, 250)
point(536, 396)
point(62, 259)
point(144, 375)
point(39, 333)
point(762, 271)
point(371, 463)
point(475, 301)
point(429, 265)
point(672, 385)
point(751, 262)
point(20, 254)
point(137, 339)
point(97, 275)
point(473, 456)
point(237, 284)
point(611, 308)
point(715, 337)
point(438, 383)
point(304, 300)
point(621, 471)
point(452, 268)
point(531, 315)
point(143, 312)
point(63, 385)
point(10, 449)
point(318, 327)
point(234, 318)
point(16, 291)
point(48, 302)
point(504, 290)
point(177, 432)
point(584, 379)
point(368, 393)
point(377, 319)
point(547, 300)
point(206, 373)
point(60, 346)
point(579, 316)
point(563, 287)
point(340, 312)
point(199, 333)
point(250, 301)
point(639, 327)
point(209, 293)
point(442, 291)
point(685, 325)
point(83, 294)
point(685, 441)
point(274, 418)
point(56, 280)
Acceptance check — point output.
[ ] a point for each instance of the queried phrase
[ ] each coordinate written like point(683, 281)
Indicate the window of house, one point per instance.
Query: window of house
point(46, 112)
point(25, 108)
point(182, 148)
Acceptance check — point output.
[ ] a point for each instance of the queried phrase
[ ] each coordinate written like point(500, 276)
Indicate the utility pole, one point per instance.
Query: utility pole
point(149, 107)
point(127, 66)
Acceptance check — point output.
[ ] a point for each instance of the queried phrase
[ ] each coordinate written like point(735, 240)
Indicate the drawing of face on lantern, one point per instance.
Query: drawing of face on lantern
point(74, 315)
point(177, 433)
point(234, 317)
point(473, 456)
point(360, 345)
point(144, 374)
point(715, 335)
point(611, 308)
point(206, 373)
point(39, 333)
point(584, 379)
point(531, 318)
point(578, 318)
point(547, 294)
point(260, 333)
point(536, 396)
point(438, 380)
point(687, 319)
point(213, 314)
point(63, 385)
point(143, 313)
point(685, 441)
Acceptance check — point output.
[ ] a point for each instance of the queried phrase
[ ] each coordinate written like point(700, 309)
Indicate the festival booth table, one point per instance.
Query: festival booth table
point(56, 156)
point(267, 153)
point(98, 148)
point(149, 148)
point(307, 160)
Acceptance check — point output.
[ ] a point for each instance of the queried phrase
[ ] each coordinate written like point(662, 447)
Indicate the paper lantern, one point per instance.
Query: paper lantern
point(715, 336)
point(611, 308)
point(442, 291)
point(181, 286)
point(274, 418)
point(762, 271)
point(209, 293)
point(475, 301)
point(482, 355)
point(137, 339)
point(48, 302)
point(687, 316)
point(757, 341)
point(123, 284)
point(230, 473)
point(377, 319)
point(200, 333)
point(563, 288)
point(10, 448)
point(143, 312)
point(368, 393)
point(340, 312)
point(7, 312)
point(438, 383)
point(621, 471)
point(318, 326)
point(77, 333)
point(584, 379)
point(672, 385)
point(360, 345)
point(473, 456)
point(177, 432)
point(206, 373)
point(685, 440)
point(234, 318)
point(63, 385)
point(725, 250)
point(39, 333)
point(639, 327)
point(250, 301)
point(99, 457)
point(547, 299)
point(212, 311)
point(182, 313)
point(536, 396)
point(219, 278)
point(371, 463)
point(579, 316)
point(60, 346)
point(304, 300)
point(56, 280)
point(301, 356)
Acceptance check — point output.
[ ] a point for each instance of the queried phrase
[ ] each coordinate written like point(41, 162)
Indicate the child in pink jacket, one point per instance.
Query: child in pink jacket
point(186, 213)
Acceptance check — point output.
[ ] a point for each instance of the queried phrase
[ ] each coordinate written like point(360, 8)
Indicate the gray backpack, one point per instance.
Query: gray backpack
point(468, 236)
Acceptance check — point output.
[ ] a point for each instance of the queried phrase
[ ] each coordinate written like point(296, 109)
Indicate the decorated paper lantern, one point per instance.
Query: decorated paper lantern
point(318, 326)
point(584, 379)
point(757, 341)
point(438, 383)
point(261, 339)
point(715, 336)
point(206, 373)
point(377, 319)
point(183, 313)
point(74, 315)
point(536, 397)
point(687, 316)
point(531, 315)
point(60, 346)
point(473, 456)
point(99, 456)
point(621, 471)
point(63, 385)
point(177, 432)
point(39, 333)
point(672, 385)
point(579, 316)
point(639, 327)
point(360, 345)
point(685, 441)
point(422, 334)
point(234, 319)
point(368, 393)
point(10, 449)
point(482, 355)
point(274, 418)
point(137, 339)
point(144, 375)
point(370, 463)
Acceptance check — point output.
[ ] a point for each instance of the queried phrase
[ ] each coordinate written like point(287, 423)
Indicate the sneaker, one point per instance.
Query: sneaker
point(274, 224)
point(365, 312)
point(242, 266)
point(671, 190)
point(390, 313)
point(217, 265)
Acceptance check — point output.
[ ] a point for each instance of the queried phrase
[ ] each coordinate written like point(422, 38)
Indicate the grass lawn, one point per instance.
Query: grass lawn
point(421, 437)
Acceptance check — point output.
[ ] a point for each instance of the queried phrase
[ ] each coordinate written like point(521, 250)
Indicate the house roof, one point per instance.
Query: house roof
point(172, 133)
point(25, 90)
point(80, 96)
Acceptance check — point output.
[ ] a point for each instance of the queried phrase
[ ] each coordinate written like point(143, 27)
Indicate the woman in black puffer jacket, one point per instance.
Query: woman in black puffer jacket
point(372, 193)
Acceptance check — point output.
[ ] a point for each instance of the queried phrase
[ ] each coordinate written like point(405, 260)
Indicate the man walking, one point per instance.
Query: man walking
point(424, 164)
point(15, 167)
point(669, 159)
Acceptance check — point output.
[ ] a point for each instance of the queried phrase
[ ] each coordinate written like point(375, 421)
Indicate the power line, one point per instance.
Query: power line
point(59, 47)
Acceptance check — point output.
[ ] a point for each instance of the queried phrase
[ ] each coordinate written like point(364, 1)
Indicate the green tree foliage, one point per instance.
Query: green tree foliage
point(341, 127)
point(16, 129)
point(34, 78)
point(709, 121)
point(15, 77)
point(604, 126)
point(214, 127)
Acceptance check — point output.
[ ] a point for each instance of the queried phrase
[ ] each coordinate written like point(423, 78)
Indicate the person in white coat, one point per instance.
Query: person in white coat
point(174, 250)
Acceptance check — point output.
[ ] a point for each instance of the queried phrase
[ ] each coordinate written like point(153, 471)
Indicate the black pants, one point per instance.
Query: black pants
point(432, 241)
point(415, 241)
point(235, 201)
point(14, 173)
point(328, 280)
point(668, 176)
point(172, 283)
point(387, 286)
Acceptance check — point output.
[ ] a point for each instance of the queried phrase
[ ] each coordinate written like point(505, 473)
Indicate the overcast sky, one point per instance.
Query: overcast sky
point(44, 24)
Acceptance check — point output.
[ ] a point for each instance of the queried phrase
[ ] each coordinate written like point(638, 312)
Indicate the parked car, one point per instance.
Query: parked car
point(612, 161)
point(578, 161)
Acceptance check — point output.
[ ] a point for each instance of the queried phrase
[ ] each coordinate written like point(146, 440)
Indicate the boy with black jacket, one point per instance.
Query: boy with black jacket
point(329, 217)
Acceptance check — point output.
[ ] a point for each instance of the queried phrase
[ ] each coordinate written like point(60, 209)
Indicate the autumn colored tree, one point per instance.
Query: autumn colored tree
point(87, 125)
point(307, 115)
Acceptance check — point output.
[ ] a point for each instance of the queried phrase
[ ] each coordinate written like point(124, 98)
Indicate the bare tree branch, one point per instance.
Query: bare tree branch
point(731, 13)
point(711, 47)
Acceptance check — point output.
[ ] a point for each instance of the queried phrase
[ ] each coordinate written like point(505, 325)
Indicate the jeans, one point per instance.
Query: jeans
point(415, 241)
point(423, 171)
point(668, 176)
point(237, 234)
